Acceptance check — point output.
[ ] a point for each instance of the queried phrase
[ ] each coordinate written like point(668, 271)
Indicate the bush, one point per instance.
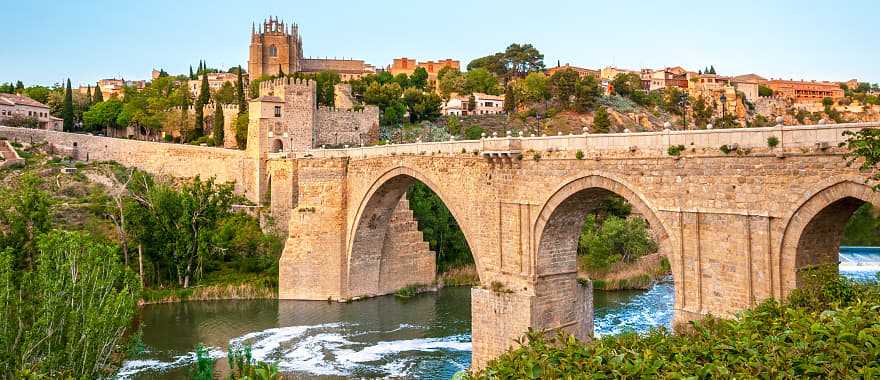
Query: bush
point(675, 150)
point(613, 239)
point(579, 155)
point(830, 333)
point(473, 132)
point(536, 156)
point(725, 149)
point(772, 141)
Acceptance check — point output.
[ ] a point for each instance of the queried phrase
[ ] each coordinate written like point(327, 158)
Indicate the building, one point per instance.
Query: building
point(484, 104)
point(610, 72)
point(215, 81)
point(12, 105)
point(582, 72)
point(852, 84)
point(277, 47)
point(285, 118)
point(114, 87)
point(662, 78)
point(748, 85)
point(803, 91)
point(407, 66)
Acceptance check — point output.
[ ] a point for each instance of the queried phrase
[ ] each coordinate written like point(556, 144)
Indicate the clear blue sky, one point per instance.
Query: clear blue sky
point(47, 41)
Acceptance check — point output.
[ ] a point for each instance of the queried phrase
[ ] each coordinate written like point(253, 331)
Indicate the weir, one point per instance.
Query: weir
point(736, 217)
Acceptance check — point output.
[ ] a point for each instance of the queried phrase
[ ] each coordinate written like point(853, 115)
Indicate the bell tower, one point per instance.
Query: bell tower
point(275, 46)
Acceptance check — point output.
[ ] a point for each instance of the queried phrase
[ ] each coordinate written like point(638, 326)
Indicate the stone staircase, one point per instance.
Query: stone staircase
point(8, 155)
point(406, 257)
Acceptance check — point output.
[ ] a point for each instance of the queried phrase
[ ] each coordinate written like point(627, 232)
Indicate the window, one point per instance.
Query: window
point(277, 111)
point(273, 51)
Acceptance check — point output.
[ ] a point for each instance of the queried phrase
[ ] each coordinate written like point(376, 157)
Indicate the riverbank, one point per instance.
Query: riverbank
point(639, 275)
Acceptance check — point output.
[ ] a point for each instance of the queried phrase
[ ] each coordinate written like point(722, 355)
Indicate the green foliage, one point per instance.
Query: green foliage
point(239, 93)
point(473, 132)
point(102, 115)
point(480, 80)
point(421, 105)
point(601, 121)
point(827, 102)
point(833, 335)
point(439, 228)
point(419, 78)
point(579, 155)
point(225, 94)
point(241, 130)
point(608, 240)
point(217, 124)
point(409, 291)
point(20, 121)
point(863, 227)
point(626, 84)
point(67, 113)
point(726, 149)
point(38, 93)
point(772, 141)
point(99, 96)
point(66, 318)
point(516, 61)
point(25, 213)
point(203, 368)
point(864, 146)
point(675, 150)
point(243, 366)
point(324, 83)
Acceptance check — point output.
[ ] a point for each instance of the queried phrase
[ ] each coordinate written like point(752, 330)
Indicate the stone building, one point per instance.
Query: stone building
point(12, 105)
point(484, 104)
point(662, 78)
point(803, 91)
point(407, 66)
point(215, 81)
point(289, 120)
point(582, 72)
point(276, 46)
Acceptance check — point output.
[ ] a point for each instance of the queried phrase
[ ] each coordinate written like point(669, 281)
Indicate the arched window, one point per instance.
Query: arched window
point(273, 51)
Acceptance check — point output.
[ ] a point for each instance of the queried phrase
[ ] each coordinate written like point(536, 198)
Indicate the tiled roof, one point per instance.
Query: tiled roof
point(14, 99)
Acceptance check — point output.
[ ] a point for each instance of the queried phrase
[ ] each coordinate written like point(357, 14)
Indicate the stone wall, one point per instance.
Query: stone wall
point(337, 127)
point(176, 160)
point(406, 258)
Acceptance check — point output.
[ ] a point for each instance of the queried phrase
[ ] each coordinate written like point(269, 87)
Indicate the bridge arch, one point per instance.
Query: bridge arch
point(814, 229)
point(367, 233)
point(557, 229)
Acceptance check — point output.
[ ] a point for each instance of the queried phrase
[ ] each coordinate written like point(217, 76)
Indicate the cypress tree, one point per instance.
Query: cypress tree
point(89, 94)
point(601, 122)
point(204, 91)
point(712, 69)
point(204, 97)
point(19, 87)
point(217, 124)
point(239, 93)
point(280, 72)
point(99, 96)
point(67, 111)
point(191, 75)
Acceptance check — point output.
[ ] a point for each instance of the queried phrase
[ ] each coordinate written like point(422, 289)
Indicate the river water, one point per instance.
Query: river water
point(426, 337)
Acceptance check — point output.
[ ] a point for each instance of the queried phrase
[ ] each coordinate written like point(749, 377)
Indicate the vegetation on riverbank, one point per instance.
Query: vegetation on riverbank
point(642, 273)
point(827, 329)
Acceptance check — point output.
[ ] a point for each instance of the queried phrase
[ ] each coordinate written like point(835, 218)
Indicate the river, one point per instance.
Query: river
point(427, 336)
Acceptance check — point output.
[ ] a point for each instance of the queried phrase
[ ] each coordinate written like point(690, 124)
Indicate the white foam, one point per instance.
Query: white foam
point(380, 350)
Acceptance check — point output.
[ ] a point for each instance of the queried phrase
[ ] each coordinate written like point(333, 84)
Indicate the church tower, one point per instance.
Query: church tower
point(274, 46)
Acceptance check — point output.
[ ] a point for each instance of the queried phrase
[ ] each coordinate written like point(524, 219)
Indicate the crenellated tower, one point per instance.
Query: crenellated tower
point(275, 45)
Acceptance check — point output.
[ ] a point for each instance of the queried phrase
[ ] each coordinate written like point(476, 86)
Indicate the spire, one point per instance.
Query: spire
point(253, 27)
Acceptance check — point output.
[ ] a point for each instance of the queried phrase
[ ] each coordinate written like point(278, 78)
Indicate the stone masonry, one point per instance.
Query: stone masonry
point(737, 227)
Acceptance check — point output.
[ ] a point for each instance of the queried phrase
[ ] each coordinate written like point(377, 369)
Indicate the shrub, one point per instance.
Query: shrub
point(772, 141)
point(829, 332)
point(675, 150)
point(725, 149)
point(579, 155)
point(536, 156)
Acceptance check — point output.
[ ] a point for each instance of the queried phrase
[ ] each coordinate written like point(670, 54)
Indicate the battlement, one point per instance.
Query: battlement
point(282, 84)
point(331, 110)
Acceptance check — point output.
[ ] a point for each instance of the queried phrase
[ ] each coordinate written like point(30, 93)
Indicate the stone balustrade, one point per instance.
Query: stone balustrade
point(788, 136)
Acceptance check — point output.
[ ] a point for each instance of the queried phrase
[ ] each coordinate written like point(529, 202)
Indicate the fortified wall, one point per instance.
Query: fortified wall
point(176, 160)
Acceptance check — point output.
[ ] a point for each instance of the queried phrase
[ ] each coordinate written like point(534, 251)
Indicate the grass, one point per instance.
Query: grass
point(225, 283)
point(465, 275)
point(641, 274)
point(411, 290)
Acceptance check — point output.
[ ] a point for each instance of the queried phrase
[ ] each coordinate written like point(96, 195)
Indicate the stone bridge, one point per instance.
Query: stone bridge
point(737, 218)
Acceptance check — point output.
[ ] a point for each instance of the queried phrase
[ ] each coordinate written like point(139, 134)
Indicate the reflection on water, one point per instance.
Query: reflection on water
point(427, 336)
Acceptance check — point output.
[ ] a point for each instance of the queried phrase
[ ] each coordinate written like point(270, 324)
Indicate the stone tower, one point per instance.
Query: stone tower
point(274, 46)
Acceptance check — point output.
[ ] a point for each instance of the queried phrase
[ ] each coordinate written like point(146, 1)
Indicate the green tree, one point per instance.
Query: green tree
point(19, 87)
point(481, 80)
point(614, 239)
point(202, 100)
point(103, 115)
point(225, 94)
point(325, 83)
point(99, 96)
point(419, 78)
point(510, 101)
point(239, 93)
point(562, 86)
point(451, 82)
point(421, 105)
point(25, 213)
point(439, 228)
point(601, 121)
point(67, 114)
point(586, 94)
point(217, 124)
point(38, 93)
point(241, 130)
point(89, 93)
point(496, 64)
point(626, 84)
point(7, 88)
point(66, 318)
point(532, 89)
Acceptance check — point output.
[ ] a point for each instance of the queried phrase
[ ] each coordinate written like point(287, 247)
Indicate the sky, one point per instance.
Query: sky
point(45, 42)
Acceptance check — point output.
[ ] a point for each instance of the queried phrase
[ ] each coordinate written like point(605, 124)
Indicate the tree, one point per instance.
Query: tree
point(67, 114)
point(509, 99)
point(25, 211)
point(201, 102)
point(67, 317)
point(601, 121)
point(7, 88)
point(325, 83)
point(532, 89)
point(626, 84)
point(402, 80)
point(38, 93)
point(451, 82)
point(764, 91)
point(191, 75)
point(472, 103)
point(614, 239)
point(439, 227)
point(89, 93)
point(586, 94)
point(19, 86)
point(562, 86)
point(481, 80)
point(523, 59)
point(103, 116)
point(239, 93)
point(99, 96)
point(421, 105)
point(496, 64)
point(419, 78)
point(226, 94)
point(241, 130)
point(863, 148)
point(217, 124)
point(712, 69)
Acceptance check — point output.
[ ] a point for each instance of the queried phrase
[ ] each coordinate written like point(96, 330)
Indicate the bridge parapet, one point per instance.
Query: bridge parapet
point(788, 136)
